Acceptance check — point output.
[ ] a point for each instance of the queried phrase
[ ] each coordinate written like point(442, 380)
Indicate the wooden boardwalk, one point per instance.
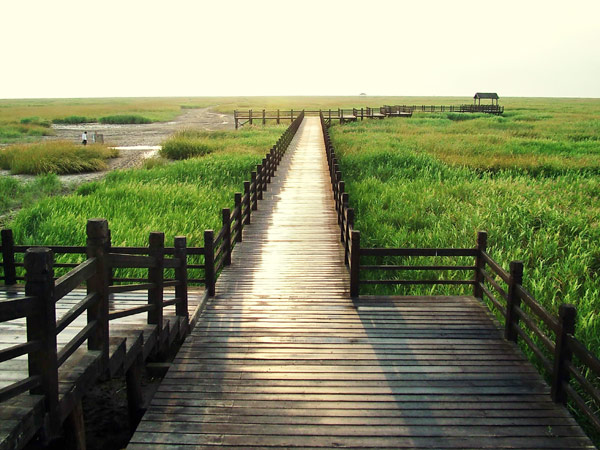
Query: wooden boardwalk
point(282, 357)
point(131, 338)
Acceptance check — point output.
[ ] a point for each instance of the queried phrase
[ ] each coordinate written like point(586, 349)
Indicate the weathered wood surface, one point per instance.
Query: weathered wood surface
point(281, 357)
point(22, 416)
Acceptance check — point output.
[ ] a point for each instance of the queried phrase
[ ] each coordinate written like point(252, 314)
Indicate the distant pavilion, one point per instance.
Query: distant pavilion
point(485, 95)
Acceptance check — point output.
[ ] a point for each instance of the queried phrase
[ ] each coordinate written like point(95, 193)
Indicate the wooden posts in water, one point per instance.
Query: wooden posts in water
point(209, 261)
point(479, 264)
point(513, 301)
point(8, 257)
point(41, 328)
point(562, 353)
point(98, 246)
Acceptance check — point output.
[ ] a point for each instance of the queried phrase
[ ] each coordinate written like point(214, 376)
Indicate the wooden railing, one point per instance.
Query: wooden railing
point(398, 109)
point(97, 274)
point(250, 116)
point(572, 370)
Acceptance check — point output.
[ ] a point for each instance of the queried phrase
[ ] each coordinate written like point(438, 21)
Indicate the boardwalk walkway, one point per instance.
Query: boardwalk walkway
point(281, 357)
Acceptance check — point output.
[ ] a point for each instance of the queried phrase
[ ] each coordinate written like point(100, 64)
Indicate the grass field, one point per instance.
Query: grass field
point(15, 194)
point(29, 119)
point(530, 178)
point(181, 198)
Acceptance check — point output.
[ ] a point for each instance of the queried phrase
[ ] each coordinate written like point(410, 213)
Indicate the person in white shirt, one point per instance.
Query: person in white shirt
point(84, 138)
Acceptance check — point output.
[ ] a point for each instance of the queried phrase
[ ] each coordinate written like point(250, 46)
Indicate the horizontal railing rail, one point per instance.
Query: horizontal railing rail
point(572, 370)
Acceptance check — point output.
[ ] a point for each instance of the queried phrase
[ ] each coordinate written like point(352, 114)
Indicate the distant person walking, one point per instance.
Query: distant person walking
point(84, 138)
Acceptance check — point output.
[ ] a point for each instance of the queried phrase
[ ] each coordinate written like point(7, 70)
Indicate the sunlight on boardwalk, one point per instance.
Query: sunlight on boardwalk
point(282, 357)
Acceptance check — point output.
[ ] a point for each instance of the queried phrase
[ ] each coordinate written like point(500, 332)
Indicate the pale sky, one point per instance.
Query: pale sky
point(107, 48)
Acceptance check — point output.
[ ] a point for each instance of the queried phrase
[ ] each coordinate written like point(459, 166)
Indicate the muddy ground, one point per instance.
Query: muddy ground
point(135, 142)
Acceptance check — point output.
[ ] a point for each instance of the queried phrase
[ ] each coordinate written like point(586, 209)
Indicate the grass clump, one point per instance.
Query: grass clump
point(58, 157)
point(35, 121)
point(124, 119)
point(158, 161)
point(74, 120)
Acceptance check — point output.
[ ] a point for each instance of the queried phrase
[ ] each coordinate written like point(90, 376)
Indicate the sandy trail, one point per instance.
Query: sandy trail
point(139, 141)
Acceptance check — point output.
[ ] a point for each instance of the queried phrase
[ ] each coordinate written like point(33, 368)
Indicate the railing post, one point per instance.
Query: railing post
point(253, 191)
point(343, 208)
point(250, 116)
point(156, 249)
point(354, 263)
point(226, 213)
point(259, 182)
point(41, 326)
point(562, 352)
point(238, 222)
point(338, 200)
point(479, 264)
point(247, 205)
point(98, 246)
point(209, 261)
point(181, 275)
point(278, 121)
point(349, 228)
point(8, 257)
point(264, 121)
point(513, 301)
point(265, 168)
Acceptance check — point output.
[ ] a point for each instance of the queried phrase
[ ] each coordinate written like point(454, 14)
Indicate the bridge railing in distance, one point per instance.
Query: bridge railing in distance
point(572, 370)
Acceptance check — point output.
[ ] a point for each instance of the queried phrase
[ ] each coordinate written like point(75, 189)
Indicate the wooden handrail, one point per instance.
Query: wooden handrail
point(74, 278)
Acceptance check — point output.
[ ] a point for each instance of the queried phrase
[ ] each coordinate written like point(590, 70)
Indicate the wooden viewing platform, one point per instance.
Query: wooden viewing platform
point(282, 356)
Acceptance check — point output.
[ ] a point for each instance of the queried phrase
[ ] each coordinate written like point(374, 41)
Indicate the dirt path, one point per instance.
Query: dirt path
point(135, 142)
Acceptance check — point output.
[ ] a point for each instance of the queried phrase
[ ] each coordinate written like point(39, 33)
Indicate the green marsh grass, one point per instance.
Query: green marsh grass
point(15, 193)
point(193, 143)
point(433, 182)
point(74, 120)
point(125, 119)
point(179, 198)
point(58, 157)
point(530, 178)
